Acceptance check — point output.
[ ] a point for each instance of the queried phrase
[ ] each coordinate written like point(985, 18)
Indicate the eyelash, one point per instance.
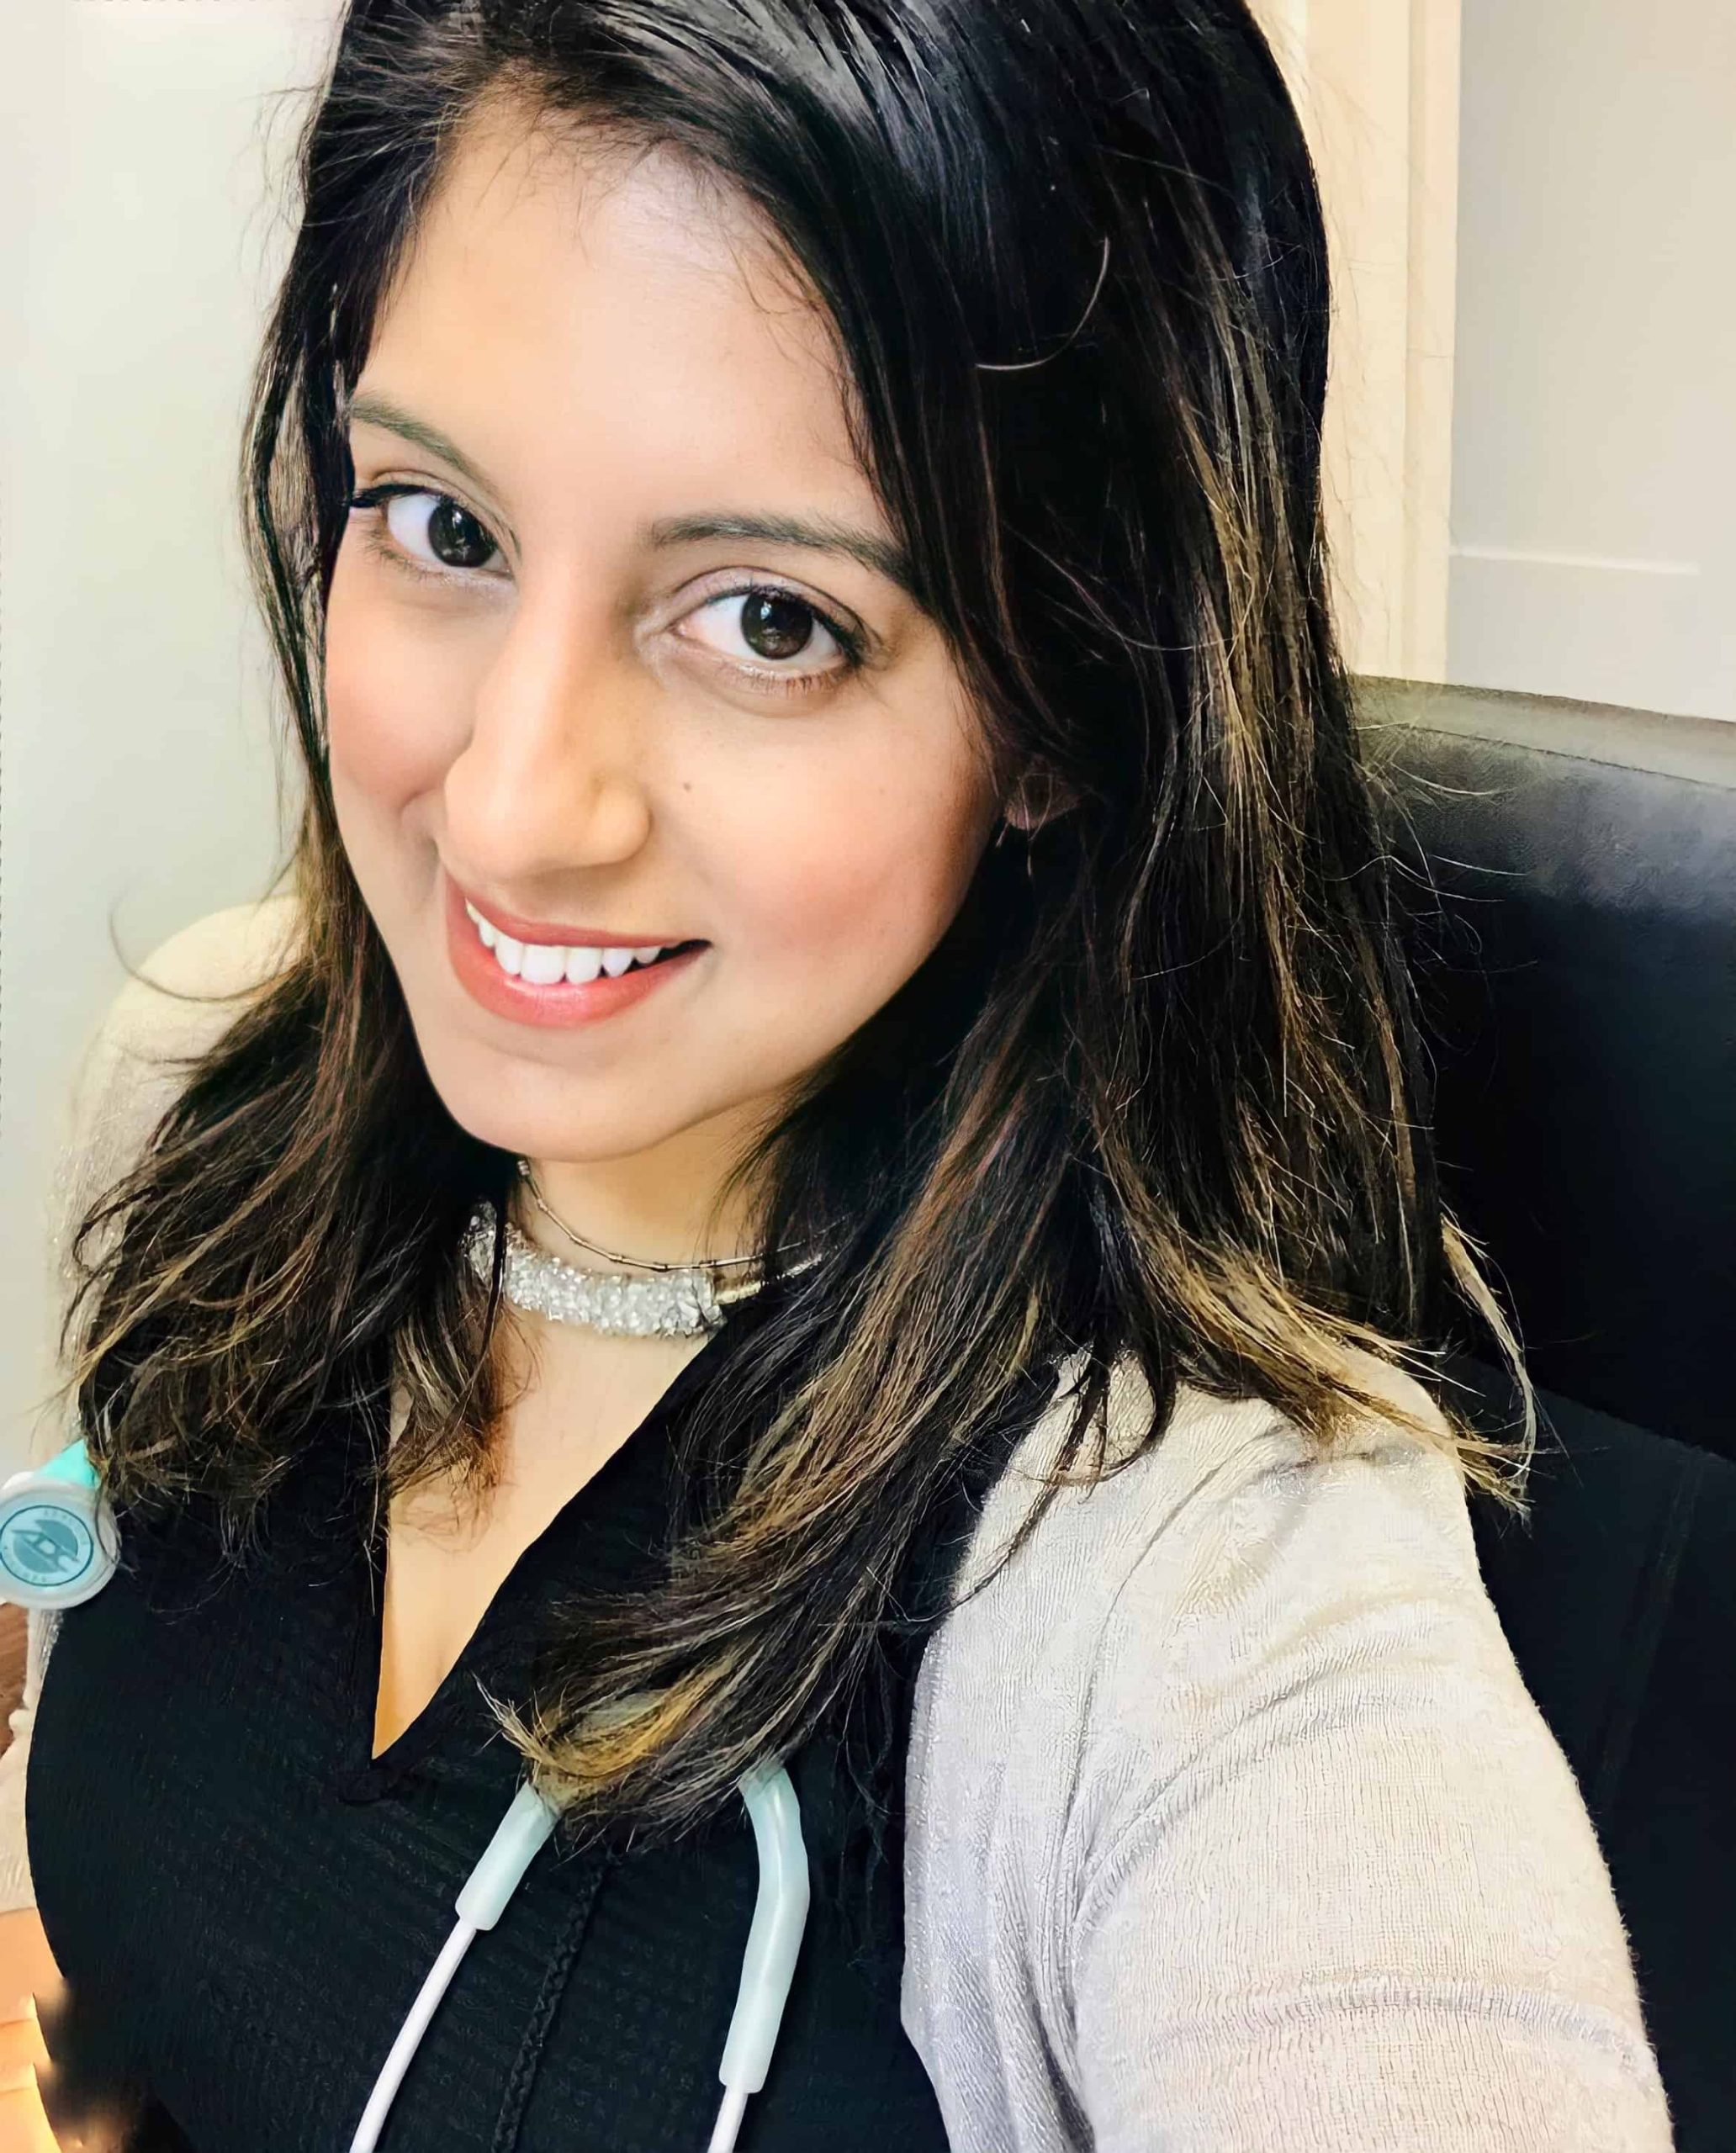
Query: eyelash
point(849, 644)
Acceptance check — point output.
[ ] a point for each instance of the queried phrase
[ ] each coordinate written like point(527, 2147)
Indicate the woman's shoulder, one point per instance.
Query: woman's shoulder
point(1152, 1609)
point(134, 1063)
point(1227, 1786)
point(184, 992)
point(181, 999)
point(1199, 1523)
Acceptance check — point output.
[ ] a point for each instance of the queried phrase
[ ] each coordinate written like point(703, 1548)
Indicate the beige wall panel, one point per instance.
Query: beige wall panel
point(1377, 84)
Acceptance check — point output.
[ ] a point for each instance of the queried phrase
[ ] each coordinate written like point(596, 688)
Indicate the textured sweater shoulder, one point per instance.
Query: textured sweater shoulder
point(1230, 1824)
point(1233, 1826)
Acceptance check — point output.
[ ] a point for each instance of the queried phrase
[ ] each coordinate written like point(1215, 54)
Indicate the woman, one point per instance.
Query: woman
point(820, 505)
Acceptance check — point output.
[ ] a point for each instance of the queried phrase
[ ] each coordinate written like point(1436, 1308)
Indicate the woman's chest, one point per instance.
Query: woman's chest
point(444, 1564)
point(452, 1544)
point(244, 1903)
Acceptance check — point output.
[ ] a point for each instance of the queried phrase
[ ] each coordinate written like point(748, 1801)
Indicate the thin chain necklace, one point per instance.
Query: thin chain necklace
point(675, 1300)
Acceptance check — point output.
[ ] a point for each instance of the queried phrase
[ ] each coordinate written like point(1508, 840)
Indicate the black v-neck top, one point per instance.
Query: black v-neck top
point(244, 1903)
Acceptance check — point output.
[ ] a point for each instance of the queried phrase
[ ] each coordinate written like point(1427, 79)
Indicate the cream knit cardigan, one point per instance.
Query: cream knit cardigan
point(1233, 1828)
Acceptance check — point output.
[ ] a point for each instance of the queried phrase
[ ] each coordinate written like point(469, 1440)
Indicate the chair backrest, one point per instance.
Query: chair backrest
point(1617, 1594)
point(1570, 886)
point(1571, 889)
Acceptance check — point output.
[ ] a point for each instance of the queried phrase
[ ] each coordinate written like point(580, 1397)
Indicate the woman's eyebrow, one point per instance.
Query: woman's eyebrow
point(818, 534)
point(371, 410)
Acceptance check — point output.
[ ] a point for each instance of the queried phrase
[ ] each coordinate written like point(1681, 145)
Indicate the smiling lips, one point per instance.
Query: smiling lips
point(548, 982)
point(543, 964)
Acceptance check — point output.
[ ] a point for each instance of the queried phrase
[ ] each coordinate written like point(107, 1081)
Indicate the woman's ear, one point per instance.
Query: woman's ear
point(1038, 798)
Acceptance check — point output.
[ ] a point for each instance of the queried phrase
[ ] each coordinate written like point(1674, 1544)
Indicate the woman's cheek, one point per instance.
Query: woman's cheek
point(386, 691)
point(859, 890)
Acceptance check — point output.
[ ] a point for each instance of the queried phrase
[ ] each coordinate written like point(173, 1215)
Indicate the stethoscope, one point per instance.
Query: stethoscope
point(59, 1547)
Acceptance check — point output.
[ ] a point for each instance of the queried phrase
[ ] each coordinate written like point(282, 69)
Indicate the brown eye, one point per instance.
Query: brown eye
point(762, 628)
point(767, 641)
point(456, 538)
point(424, 533)
point(774, 625)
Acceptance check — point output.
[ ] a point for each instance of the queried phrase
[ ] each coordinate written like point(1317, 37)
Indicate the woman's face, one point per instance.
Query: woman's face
point(634, 668)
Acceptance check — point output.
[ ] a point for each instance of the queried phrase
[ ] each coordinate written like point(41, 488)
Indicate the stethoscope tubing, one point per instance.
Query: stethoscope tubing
point(59, 1547)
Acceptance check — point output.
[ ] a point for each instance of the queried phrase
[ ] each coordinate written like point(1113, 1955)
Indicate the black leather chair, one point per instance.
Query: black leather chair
point(1570, 879)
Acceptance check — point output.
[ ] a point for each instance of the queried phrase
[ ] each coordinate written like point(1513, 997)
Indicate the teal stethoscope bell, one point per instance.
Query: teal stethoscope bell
point(58, 1544)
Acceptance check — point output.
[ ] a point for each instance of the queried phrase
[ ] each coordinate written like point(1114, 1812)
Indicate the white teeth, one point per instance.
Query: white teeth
point(542, 963)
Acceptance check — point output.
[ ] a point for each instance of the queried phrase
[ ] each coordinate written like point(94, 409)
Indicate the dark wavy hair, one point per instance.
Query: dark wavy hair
point(1157, 1095)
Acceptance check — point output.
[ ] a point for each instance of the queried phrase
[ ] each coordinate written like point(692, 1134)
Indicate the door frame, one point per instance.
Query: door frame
point(1377, 85)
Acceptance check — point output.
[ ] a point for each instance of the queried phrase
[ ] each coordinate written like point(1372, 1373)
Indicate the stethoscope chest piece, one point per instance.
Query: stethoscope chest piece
point(58, 1541)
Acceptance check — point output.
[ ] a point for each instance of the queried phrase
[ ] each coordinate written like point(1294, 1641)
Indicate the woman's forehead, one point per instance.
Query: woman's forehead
point(612, 188)
point(651, 230)
point(618, 311)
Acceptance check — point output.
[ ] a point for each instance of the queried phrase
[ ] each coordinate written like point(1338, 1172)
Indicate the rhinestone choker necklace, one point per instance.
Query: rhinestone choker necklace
point(675, 1300)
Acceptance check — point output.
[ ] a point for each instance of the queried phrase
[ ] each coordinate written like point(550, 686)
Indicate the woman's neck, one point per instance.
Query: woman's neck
point(655, 1207)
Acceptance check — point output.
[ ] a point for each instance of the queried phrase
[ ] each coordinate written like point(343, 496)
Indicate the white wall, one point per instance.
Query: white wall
point(140, 145)
point(1594, 440)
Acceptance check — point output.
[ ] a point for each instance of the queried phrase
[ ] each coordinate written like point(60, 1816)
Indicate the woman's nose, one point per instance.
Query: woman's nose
point(554, 773)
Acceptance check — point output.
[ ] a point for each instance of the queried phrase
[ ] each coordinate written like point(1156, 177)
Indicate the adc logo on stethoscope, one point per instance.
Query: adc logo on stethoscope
point(58, 1541)
point(46, 1544)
